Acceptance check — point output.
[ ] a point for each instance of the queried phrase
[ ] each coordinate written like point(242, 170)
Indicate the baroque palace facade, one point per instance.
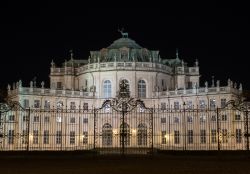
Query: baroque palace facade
point(179, 112)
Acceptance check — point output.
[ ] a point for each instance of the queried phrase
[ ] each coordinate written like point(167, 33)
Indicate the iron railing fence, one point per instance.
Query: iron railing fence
point(140, 130)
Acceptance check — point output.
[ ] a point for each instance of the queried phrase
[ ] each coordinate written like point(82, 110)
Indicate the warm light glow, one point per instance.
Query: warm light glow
point(167, 136)
point(133, 131)
point(115, 131)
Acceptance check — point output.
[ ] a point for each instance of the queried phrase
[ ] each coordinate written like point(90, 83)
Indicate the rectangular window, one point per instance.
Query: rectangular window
point(238, 136)
point(72, 137)
point(25, 118)
point(35, 136)
point(223, 102)
point(58, 119)
point(176, 119)
point(213, 118)
point(25, 137)
point(202, 104)
point(11, 137)
point(36, 118)
point(189, 119)
point(202, 118)
point(212, 104)
point(237, 117)
point(46, 119)
point(85, 137)
point(176, 137)
point(11, 117)
point(59, 85)
point(213, 136)
point(36, 103)
point(85, 120)
point(190, 137)
point(46, 137)
point(176, 105)
point(203, 136)
point(163, 106)
point(58, 137)
point(223, 117)
point(46, 104)
point(72, 119)
point(163, 120)
point(163, 137)
point(189, 104)
point(224, 136)
point(72, 105)
point(85, 106)
point(59, 105)
point(26, 103)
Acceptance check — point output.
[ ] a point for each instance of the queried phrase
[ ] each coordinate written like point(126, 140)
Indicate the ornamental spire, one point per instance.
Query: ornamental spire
point(71, 54)
point(177, 53)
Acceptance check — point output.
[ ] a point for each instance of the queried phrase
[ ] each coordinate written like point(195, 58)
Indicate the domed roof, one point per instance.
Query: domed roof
point(124, 42)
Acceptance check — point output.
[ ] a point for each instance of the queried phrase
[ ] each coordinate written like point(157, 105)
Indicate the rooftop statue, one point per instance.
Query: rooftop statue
point(124, 34)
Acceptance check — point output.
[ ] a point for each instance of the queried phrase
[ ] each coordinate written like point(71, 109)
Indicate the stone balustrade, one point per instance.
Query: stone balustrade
point(145, 66)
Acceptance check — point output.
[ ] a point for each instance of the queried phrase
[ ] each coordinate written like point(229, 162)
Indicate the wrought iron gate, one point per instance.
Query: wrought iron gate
point(123, 125)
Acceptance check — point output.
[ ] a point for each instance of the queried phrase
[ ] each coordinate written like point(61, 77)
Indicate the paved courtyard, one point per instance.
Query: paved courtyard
point(167, 163)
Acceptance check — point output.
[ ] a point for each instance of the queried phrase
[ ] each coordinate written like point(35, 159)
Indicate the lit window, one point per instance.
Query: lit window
point(107, 89)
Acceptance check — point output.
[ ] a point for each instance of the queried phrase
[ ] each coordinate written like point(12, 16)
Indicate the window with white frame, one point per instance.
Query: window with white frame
point(176, 137)
point(35, 136)
point(46, 104)
point(190, 136)
point(212, 104)
point(85, 137)
point(213, 136)
point(176, 105)
point(58, 137)
point(36, 103)
point(238, 136)
point(203, 136)
point(72, 105)
point(163, 106)
point(26, 103)
point(223, 102)
point(142, 89)
point(107, 89)
point(72, 137)
point(46, 137)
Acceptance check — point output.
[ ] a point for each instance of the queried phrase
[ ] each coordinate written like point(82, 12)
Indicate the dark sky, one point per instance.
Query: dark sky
point(32, 34)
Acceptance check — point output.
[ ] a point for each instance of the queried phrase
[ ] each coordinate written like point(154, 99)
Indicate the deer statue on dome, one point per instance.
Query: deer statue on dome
point(124, 34)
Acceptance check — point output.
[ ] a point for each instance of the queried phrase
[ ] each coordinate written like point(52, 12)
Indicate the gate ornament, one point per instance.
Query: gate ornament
point(123, 102)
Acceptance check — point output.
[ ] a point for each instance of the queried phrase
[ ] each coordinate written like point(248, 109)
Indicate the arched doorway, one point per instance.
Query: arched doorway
point(126, 135)
point(107, 135)
point(142, 134)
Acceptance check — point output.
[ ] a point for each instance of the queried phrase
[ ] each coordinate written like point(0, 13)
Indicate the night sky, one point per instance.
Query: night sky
point(33, 34)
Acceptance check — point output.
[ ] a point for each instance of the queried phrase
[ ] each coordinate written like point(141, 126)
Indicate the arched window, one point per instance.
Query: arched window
point(142, 134)
point(107, 135)
point(142, 89)
point(107, 89)
point(126, 134)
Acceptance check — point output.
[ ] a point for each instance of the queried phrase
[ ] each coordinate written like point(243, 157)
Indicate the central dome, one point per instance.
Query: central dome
point(124, 42)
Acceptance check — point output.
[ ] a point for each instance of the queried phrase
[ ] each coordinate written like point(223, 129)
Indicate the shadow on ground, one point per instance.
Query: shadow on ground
point(89, 162)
